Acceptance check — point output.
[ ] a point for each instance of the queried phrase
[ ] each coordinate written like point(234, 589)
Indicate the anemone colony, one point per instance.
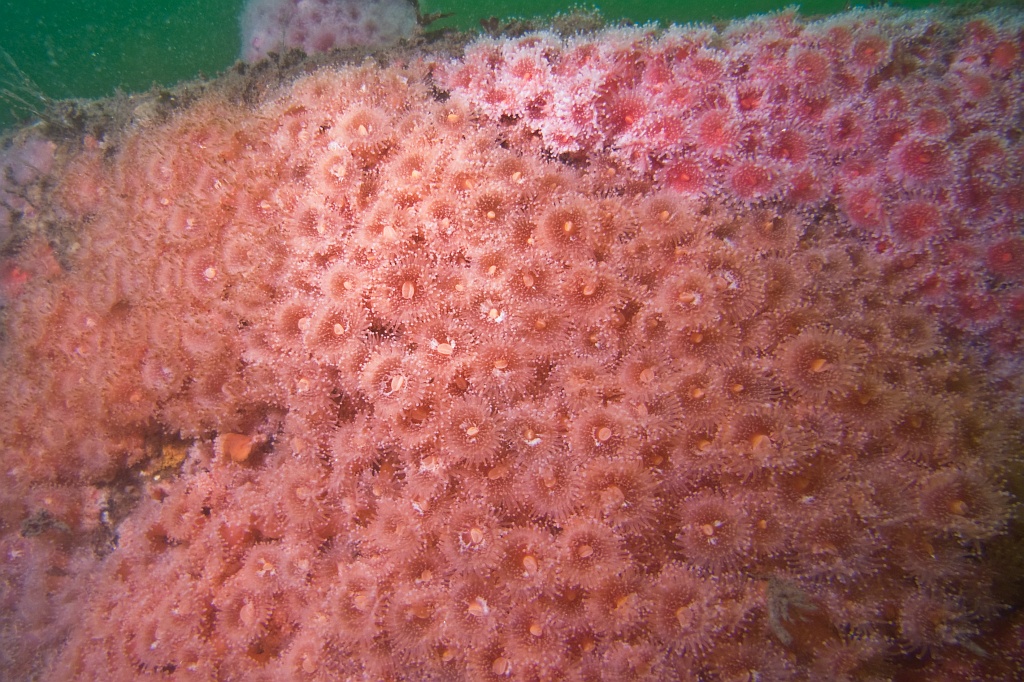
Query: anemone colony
point(320, 25)
point(640, 355)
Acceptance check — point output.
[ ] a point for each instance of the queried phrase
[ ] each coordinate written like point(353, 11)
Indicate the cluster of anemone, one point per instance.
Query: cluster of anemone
point(322, 25)
point(903, 123)
point(358, 383)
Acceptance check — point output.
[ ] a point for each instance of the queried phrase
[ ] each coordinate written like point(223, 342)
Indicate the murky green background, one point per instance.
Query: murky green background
point(90, 48)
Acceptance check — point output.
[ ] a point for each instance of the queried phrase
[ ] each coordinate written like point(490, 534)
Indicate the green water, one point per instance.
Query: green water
point(469, 13)
point(91, 48)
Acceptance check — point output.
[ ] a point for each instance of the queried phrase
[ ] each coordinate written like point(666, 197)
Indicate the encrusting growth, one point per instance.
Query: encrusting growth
point(439, 371)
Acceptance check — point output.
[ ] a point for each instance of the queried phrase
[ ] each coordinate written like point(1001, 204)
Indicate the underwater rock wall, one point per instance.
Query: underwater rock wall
point(449, 369)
